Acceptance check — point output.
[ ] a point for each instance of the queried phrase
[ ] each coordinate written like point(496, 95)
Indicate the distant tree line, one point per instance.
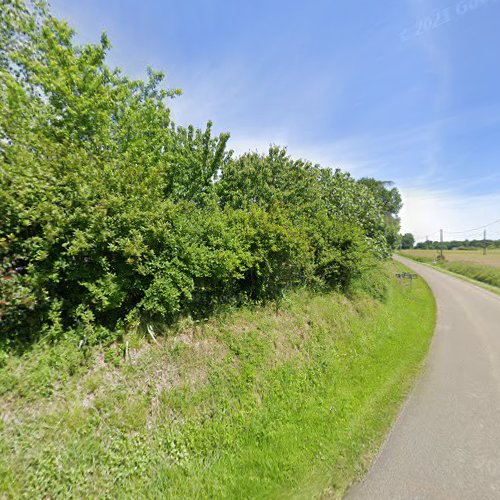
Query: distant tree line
point(459, 244)
point(407, 241)
point(111, 214)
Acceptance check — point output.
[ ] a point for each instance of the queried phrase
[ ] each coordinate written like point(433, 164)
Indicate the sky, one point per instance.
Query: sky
point(407, 90)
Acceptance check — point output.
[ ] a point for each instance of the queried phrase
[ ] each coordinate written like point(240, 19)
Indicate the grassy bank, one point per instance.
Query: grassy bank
point(478, 272)
point(259, 403)
point(471, 264)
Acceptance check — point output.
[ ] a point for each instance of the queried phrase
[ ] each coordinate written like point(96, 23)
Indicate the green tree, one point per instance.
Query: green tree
point(390, 202)
point(407, 241)
point(112, 214)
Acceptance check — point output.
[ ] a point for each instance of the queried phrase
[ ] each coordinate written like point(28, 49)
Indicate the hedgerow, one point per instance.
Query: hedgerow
point(111, 213)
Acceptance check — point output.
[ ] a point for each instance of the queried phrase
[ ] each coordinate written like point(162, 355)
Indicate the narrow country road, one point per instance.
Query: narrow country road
point(445, 443)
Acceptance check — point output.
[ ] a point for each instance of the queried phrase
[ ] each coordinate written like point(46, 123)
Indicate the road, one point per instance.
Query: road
point(445, 443)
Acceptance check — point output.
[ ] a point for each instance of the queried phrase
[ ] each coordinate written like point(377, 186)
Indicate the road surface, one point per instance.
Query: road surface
point(445, 443)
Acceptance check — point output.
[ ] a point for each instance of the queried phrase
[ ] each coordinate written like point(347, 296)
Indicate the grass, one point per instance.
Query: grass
point(259, 403)
point(473, 256)
point(471, 264)
point(478, 272)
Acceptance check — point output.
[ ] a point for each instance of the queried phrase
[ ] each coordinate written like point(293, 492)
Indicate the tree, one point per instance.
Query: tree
point(407, 241)
point(390, 201)
point(111, 214)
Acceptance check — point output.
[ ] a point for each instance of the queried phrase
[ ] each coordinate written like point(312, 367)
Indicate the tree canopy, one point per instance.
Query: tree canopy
point(407, 241)
point(111, 213)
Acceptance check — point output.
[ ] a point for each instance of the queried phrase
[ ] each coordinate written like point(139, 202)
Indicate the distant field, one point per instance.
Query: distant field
point(492, 257)
point(470, 263)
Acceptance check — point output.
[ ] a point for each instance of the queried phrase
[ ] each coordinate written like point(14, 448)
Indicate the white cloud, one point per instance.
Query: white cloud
point(333, 155)
point(425, 212)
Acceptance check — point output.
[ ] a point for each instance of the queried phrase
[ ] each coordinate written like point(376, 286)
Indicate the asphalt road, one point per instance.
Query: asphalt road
point(445, 443)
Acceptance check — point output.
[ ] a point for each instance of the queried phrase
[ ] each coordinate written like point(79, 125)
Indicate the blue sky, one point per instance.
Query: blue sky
point(403, 90)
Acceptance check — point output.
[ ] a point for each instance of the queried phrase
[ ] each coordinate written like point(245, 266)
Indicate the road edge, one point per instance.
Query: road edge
point(350, 491)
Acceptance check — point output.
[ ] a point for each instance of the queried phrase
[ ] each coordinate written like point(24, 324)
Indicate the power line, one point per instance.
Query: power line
point(473, 229)
point(428, 236)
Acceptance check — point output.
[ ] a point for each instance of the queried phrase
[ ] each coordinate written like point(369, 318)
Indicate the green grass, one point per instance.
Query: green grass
point(469, 256)
point(260, 403)
point(477, 270)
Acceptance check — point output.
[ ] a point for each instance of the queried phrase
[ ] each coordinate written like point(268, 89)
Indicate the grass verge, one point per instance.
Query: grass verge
point(477, 272)
point(487, 277)
point(260, 403)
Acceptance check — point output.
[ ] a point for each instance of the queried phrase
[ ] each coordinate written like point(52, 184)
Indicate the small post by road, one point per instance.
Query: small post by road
point(484, 242)
point(441, 245)
point(403, 276)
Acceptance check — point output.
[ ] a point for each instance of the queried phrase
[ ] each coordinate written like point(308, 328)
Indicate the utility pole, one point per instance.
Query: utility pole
point(427, 242)
point(441, 238)
point(484, 243)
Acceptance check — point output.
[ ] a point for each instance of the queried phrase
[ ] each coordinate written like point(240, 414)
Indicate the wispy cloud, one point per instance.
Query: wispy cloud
point(399, 155)
point(425, 212)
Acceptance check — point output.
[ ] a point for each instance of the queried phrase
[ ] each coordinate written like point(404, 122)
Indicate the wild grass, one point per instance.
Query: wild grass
point(478, 272)
point(261, 402)
point(469, 256)
point(471, 264)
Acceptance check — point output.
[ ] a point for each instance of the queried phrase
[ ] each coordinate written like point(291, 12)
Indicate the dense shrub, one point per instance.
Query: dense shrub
point(111, 213)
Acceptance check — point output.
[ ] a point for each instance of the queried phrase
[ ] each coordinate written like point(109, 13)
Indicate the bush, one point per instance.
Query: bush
point(112, 214)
